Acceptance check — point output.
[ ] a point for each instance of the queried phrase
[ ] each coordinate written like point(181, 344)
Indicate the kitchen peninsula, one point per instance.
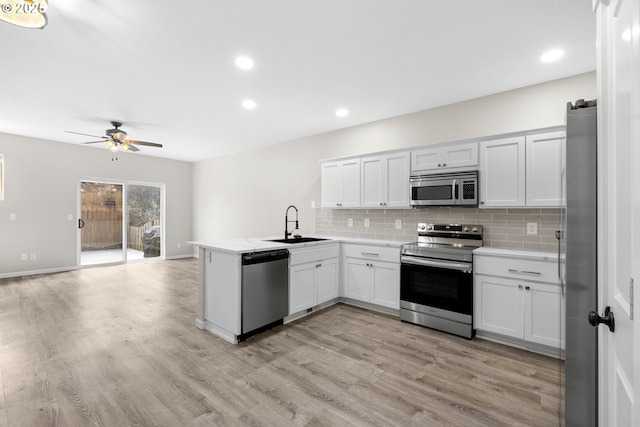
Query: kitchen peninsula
point(315, 278)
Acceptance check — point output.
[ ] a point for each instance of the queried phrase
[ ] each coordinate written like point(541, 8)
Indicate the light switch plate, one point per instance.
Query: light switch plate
point(313, 204)
point(12, 217)
point(70, 217)
point(398, 224)
point(366, 222)
point(532, 228)
point(350, 222)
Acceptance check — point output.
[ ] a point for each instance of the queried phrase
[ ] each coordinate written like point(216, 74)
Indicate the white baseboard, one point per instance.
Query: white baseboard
point(521, 344)
point(221, 332)
point(36, 272)
point(184, 256)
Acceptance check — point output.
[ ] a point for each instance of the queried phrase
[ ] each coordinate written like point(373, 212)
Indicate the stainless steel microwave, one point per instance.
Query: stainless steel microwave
point(446, 189)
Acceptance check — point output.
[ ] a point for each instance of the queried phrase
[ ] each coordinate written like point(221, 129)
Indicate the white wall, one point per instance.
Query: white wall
point(41, 188)
point(246, 194)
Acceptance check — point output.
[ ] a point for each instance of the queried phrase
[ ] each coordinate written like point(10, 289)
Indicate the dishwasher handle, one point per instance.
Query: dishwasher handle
point(265, 256)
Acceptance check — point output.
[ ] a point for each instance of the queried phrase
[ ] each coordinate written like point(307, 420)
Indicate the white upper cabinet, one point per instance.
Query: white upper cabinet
point(340, 182)
point(545, 161)
point(445, 158)
point(522, 171)
point(385, 181)
point(502, 172)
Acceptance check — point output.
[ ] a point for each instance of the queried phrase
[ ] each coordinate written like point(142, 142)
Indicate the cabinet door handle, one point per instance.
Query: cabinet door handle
point(533, 273)
point(369, 254)
point(528, 288)
point(519, 286)
point(381, 204)
point(444, 164)
point(318, 265)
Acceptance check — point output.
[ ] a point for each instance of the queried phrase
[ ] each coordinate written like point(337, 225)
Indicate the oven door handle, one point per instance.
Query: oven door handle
point(464, 267)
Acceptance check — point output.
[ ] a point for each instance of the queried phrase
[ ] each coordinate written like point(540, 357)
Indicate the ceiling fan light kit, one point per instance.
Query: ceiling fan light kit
point(116, 139)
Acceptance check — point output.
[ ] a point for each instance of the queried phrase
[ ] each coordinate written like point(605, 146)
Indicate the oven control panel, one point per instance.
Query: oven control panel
point(424, 228)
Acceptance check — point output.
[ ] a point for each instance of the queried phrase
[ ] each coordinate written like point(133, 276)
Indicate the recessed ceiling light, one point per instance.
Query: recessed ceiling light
point(342, 112)
point(552, 55)
point(244, 62)
point(249, 104)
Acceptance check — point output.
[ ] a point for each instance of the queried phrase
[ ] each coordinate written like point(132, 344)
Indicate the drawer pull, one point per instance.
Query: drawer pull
point(532, 273)
point(369, 254)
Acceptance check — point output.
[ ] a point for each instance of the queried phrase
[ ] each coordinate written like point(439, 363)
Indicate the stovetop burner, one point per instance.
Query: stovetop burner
point(445, 241)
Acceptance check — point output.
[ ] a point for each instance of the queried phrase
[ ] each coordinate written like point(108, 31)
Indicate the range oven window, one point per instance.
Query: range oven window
point(436, 287)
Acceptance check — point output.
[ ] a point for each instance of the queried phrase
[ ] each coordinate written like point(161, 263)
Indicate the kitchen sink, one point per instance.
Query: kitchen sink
point(297, 240)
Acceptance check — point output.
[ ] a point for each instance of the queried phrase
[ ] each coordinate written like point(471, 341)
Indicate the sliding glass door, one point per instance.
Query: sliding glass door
point(119, 222)
point(144, 231)
point(100, 223)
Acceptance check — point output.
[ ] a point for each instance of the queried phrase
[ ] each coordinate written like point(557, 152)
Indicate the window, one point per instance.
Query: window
point(1, 176)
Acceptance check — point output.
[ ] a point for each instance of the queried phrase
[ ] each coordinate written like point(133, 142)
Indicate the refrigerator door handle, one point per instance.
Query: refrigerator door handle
point(559, 234)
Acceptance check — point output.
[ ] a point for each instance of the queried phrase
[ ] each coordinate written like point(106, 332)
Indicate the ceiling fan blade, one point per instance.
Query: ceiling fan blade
point(94, 142)
point(148, 144)
point(128, 147)
point(104, 138)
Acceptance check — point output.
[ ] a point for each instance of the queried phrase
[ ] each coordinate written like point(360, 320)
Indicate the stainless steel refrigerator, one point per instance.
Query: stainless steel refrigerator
point(578, 264)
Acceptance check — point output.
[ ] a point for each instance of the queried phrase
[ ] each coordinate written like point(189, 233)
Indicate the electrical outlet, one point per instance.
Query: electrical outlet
point(366, 222)
point(350, 222)
point(179, 245)
point(313, 204)
point(70, 217)
point(532, 228)
point(33, 256)
point(23, 257)
point(398, 224)
point(12, 217)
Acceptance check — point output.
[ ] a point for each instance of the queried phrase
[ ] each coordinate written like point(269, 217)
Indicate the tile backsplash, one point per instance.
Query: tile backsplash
point(503, 228)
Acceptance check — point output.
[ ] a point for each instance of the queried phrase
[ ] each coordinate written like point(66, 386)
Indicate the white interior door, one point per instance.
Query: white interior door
point(619, 136)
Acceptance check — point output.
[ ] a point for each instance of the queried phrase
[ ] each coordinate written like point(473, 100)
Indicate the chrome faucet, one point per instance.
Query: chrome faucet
point(288, 233)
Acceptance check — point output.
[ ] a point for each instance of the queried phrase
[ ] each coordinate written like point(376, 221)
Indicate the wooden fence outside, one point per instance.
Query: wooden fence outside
point(103, 230)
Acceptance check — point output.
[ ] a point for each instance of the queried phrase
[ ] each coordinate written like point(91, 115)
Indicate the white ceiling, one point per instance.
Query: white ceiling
point(166, 68)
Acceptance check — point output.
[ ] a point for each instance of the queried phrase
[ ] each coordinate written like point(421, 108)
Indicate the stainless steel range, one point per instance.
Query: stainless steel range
point(436, 277)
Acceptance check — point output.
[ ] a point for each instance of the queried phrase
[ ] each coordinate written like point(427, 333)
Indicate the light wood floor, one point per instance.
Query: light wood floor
point(117, 346)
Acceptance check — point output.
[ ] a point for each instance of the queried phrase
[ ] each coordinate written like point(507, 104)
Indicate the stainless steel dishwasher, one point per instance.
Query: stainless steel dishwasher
point(265, 288)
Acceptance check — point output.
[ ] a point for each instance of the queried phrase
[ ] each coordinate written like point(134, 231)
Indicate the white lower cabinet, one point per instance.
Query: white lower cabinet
point(313, 277)
point(519, 298)
point(302, 287)
point(327, 280)
point(372, 275)
point(498, 306)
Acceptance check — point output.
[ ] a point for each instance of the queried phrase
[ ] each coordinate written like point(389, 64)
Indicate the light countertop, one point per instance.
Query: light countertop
point(254, 244)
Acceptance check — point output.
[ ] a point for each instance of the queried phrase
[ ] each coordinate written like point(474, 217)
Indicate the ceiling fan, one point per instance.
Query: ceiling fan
point(117, 138)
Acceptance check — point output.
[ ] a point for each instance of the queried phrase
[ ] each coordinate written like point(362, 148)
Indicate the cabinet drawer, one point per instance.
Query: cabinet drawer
point(524, 269)
point(376, 253)
point(302, 256)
